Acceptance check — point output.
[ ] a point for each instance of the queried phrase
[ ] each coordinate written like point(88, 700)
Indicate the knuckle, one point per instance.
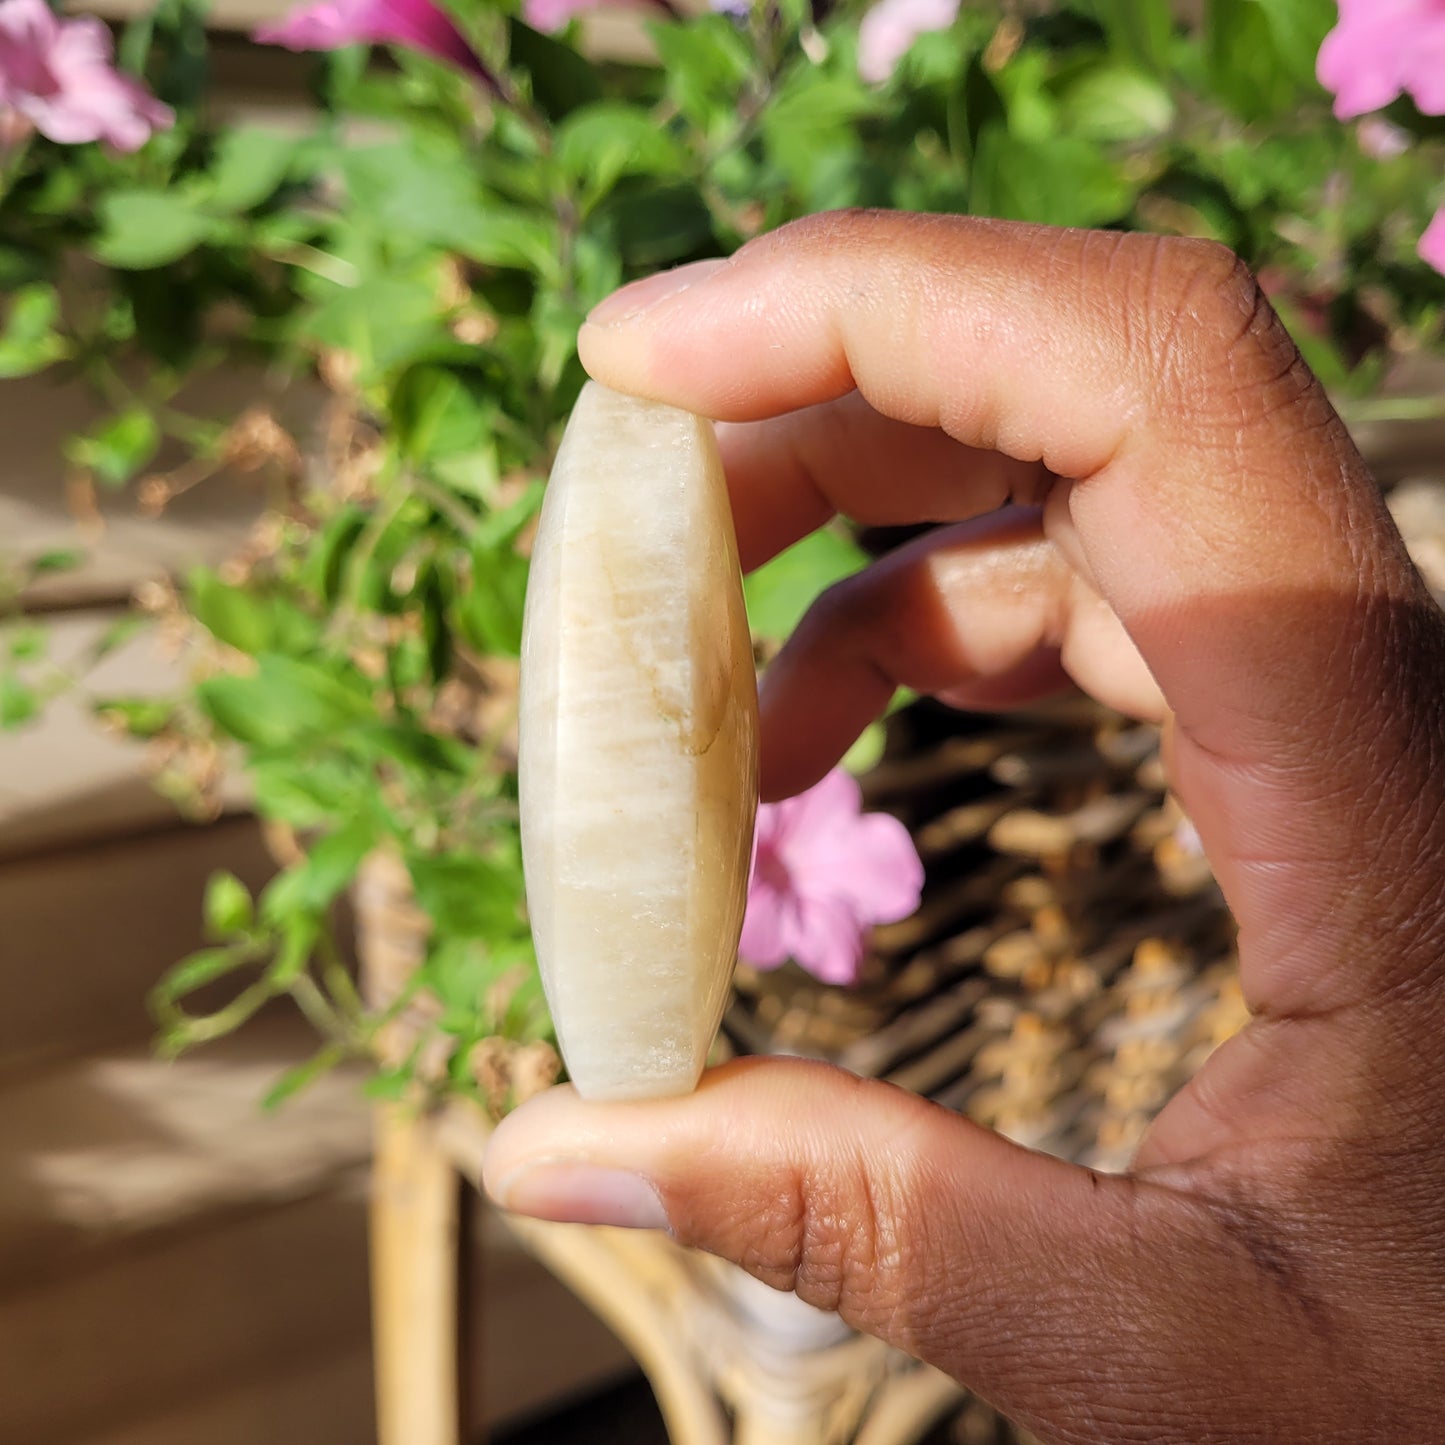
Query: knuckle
point(842, 1232)
point(836, 1241)
point(823, 229)
point(841, 610)
point(1213, 341)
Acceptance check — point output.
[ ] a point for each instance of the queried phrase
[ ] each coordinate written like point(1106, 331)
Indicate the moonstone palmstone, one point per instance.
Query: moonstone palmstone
point(638, 746)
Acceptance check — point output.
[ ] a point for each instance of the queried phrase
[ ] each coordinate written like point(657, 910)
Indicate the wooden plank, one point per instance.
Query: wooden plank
point(113, 1149)
point(67, 779)
point(321, 1401)
point(88, 931)
point(197, 1310)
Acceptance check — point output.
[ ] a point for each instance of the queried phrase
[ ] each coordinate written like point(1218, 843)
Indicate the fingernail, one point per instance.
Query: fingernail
point(632, 300)
point(582, 1194)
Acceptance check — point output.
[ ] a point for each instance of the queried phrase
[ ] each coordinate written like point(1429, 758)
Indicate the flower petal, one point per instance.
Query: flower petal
point(416, 25)
point(1381, 48)
point(58, 75)
point(832, 803)
point(889, 29)
point(882, 875)
point(829, 941)
point(770, 926)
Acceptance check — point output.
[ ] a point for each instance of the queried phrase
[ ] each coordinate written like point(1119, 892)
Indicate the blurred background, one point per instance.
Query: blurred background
point(287, 342)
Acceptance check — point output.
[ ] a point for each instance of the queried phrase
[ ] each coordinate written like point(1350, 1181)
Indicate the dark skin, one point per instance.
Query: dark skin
point(1272, 1267)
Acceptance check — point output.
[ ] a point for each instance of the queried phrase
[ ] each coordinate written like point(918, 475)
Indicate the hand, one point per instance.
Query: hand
point(1199, 542)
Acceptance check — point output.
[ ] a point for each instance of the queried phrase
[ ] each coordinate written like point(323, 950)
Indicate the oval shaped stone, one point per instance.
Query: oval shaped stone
point(638, 746)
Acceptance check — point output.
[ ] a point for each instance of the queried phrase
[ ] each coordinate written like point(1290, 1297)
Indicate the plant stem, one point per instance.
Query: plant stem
point(317, 1008)
point(225, 1020)
point(377, 526)
point(464, 521)
point(339, 984)
point(1393, 408)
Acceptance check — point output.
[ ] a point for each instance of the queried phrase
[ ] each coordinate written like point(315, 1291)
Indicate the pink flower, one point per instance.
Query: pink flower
point(56, 75)
point(413, 24)
point(891, 27)
point(1380, 140)
point(1432, 243)
point(1384, 48)
point(824, 872)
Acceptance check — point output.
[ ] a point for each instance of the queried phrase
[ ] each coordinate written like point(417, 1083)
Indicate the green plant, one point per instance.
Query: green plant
point(360, 657)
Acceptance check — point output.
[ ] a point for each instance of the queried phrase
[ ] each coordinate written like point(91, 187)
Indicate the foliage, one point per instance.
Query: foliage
point(421, 258)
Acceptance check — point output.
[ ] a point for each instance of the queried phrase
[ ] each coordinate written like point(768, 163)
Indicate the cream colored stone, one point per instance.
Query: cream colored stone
point(638, 746)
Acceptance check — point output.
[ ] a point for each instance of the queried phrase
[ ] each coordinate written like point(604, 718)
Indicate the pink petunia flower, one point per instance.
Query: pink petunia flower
point(823, 874)
point(412, 24)
point(1381, 49)
point(57, 77)
point(1432, 243)
point(891, 27)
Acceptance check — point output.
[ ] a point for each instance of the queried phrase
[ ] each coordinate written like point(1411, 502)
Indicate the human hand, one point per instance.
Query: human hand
point(1273, 1266)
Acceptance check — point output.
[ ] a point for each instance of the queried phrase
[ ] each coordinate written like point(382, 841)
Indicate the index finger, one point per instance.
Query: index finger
point(1219, 503)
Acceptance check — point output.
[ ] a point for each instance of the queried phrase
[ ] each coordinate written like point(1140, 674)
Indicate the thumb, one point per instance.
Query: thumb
point(1041, 1285)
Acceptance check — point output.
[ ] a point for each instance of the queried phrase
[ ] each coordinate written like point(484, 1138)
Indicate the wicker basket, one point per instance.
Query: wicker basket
point(1071, 965)
point(1072, 961)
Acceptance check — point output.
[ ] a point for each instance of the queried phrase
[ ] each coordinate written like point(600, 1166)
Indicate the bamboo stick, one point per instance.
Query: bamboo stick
point(414, 1220)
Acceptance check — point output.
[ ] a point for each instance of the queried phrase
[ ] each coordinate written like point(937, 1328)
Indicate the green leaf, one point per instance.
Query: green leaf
point(232, 615)
point(430, 597)
point(1260, 54)
point(1114, 103)
point(141, 718)
point(251, 621)
point(811, 114)
point(405, 189)
point(781, 591)
point(143, 229)
point(439, 411)
point(58, 559)
point(317, 793)
point(654, 226)
point(489, 612)
point(251, 163)
point(228, 909)
point(868, 750)
point(1139, 30)
point(706, 63)
point(286, 703)
point(118, 633)
point(385, 321)
point(325, 565)
point(26, 643)
point(1299, 28)
point(600, 143)
point(18, 703)
point(561, 79)
point(1062, 181)
point(119, 449)
point(428, 191)
point(460, 970)
point(29, 342)
point(329, 866)
point(466, 895)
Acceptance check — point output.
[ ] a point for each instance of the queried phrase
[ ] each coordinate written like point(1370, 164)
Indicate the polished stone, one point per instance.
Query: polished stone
point(638, 746)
